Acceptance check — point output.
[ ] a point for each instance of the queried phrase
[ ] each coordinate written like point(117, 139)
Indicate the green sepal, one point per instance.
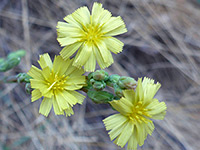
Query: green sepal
point(100, 75)
point(112, 80)
point(23, 77)
point(28, 88)
point(100, 96)
point(99, 85)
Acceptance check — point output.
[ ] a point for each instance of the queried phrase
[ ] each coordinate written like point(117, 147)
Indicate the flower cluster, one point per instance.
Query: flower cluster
point(136, 109)
point(91, 36)
point(56, 82)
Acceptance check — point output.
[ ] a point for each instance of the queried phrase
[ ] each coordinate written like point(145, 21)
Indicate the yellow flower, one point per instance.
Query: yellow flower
point(136, 109)
point(90, 34)
point(57, 83)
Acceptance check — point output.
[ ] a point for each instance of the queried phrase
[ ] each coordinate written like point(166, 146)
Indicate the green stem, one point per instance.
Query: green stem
point(9, 79)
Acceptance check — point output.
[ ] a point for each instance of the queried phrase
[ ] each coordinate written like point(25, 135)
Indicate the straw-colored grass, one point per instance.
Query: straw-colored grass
point(162, 42)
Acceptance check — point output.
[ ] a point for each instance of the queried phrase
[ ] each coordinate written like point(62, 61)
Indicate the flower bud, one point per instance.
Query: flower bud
point(100, 96)
point(127, 83)
point(99, 85)
point(90, 75)
point(118, 91)
point(19, 53)
point(92, 81)
point(113, 79)
point(9, 64)
point(23, 77)
point(28, 88)
point(100, 75)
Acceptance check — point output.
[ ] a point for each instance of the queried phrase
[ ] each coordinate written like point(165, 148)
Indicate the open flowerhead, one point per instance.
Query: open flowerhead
point(56, 82)
point(136, 109)
point(90, 35)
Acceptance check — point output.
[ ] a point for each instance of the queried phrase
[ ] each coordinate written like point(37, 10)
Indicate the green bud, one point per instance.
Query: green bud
point(127, 83)
point(9, 63)
point(100, 75)
point(99, 85)
point(90, 75)
point(118, 91)
point(113, 79)
point(12, 62)
point(3, 66)
point(2, 60)
point(23, 77)
point(92, 81)
point(28, 88)
point(100, 96)
point(19, 53)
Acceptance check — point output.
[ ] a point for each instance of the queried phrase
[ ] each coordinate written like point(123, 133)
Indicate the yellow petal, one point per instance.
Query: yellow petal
point(113, 44)
point(73, 87)
point(120, 30)
point(129, 95)
point(105, 54)
point(45, 61)
point(75, 80)
point(139, 94)
point(99, 58)
point(72, 21)
point(69, 98)
point(82, 15)
point(68, 30)
point(56, 108)
point(45, 106)
point(114, 121)
point(69, 111)
point(79, 96)
point(82, 56)
point(91, 63)
point(125, 134)
point(60, 65)
point(46, 73)
point(35, 73)
point(112, 24)
point(132, 143)
point(150, 89)
point(104, 17)
point(68, 41)
point(61, 100)
point(35, 83)
point(123, 105)
point(157, 109)
point(149, 128)
point(140, 135)
point(96, 11)
point(103, 51)
point(36, 94)
point(76, 72)
point(70, 50)
point(117, 130)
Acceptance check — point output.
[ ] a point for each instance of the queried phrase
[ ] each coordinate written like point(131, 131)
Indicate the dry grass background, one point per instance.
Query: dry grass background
point(162, 42)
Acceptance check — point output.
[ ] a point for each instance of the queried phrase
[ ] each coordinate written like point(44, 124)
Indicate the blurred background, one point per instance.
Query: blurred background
point(162, 42)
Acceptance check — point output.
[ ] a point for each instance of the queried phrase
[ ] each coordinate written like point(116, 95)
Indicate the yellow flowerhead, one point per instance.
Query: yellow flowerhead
point(90, 34)
point(136, 109)
point(56, 82)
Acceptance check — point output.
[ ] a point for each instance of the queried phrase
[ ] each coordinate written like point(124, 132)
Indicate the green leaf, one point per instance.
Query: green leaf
point(100, 96)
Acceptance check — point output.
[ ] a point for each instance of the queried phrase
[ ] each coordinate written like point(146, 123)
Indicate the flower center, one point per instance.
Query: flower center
point(139, 113)
point(92, 34)
point(56, 82)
